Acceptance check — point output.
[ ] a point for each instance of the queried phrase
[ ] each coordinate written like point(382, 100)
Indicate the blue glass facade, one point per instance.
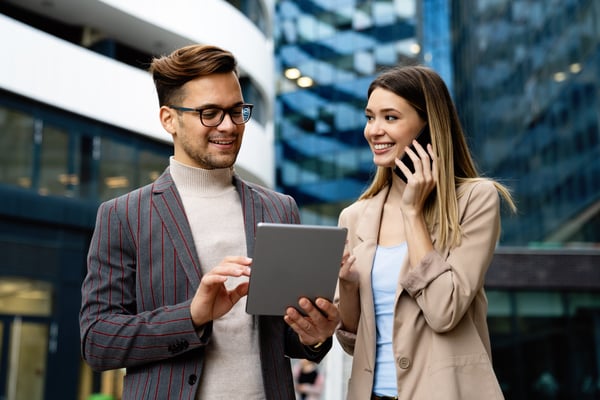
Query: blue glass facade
point(435, 38)
point(526, 83)
point(526, 86)
point(524, 76)
point(322, 159)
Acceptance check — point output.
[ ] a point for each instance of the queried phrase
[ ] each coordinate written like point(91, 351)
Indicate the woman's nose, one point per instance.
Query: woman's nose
point(373, 128)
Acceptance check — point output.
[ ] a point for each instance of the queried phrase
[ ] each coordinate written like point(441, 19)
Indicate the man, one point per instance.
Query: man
point(168, 270)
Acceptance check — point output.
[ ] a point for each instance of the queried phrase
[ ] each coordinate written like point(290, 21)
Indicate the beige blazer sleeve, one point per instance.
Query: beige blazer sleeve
point(446, 282)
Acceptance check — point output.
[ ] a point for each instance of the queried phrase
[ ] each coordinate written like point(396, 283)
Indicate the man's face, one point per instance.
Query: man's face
point(195, 144)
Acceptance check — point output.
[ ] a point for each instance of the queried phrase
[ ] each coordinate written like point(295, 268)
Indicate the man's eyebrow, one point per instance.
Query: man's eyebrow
point(213, 105)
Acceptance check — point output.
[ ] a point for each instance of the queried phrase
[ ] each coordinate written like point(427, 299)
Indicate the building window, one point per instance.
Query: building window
point(16, 138)
point(56, 154)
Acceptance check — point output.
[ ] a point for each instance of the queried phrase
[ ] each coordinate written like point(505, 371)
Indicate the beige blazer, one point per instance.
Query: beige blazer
point(440, 336)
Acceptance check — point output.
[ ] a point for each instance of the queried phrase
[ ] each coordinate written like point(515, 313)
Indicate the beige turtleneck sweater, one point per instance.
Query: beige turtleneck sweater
point(212, 205)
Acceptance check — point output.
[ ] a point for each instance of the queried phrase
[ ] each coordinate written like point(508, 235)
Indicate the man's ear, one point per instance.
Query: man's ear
point(168, 119)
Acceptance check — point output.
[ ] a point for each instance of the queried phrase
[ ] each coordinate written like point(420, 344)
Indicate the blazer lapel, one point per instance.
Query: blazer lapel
point(367, 229)
point(169, 207)
point(367, 232)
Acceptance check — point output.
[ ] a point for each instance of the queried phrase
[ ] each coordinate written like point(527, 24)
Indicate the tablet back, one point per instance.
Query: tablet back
point(292, 261)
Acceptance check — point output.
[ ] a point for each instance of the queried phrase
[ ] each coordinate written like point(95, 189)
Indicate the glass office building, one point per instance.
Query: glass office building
point(78, 125)
point(327, 53)
point(524, 75)
point(526, 82)
point(526, 85)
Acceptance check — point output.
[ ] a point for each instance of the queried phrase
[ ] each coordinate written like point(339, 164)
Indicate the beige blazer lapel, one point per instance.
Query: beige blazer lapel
point(367, 234)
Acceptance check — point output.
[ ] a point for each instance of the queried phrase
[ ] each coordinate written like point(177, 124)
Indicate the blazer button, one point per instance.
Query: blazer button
point(192, 379)
point(403, 362)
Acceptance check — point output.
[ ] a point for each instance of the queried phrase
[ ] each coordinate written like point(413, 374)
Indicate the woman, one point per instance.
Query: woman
point(308, 379)
point(411, 292)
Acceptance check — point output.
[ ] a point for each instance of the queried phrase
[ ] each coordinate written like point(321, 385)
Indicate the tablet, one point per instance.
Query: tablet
point(291, 261)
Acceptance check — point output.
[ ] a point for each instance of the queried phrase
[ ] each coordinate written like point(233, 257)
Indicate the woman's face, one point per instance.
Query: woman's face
point(392, 124)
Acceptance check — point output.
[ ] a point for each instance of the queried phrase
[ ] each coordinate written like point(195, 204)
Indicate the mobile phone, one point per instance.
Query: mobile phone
point(423, 138)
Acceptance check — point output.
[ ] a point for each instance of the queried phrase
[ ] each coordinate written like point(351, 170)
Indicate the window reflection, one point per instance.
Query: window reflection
point(16, 134)
point(91, 162)
point(21, 296)
point(57, 177)
point(117, 169)
point(1, 336)
point(24, 301)
point(538, 336)
point(254, 11)
point(28, 353)
point(151, 166)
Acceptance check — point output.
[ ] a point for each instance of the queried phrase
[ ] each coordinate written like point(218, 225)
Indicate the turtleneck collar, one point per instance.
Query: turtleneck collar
point(200, 181)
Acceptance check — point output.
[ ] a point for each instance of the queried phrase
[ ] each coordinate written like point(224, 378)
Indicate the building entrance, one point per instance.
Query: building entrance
point(25, 338)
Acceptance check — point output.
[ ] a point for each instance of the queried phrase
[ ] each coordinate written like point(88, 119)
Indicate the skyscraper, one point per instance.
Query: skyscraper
point(327, 53)
point(524, 75)
point(526, 83)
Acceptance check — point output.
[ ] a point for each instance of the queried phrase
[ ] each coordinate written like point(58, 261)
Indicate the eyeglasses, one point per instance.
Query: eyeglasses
point(213, 116)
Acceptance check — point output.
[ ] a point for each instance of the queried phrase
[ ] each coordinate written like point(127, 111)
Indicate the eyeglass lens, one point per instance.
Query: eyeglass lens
point(214, 116)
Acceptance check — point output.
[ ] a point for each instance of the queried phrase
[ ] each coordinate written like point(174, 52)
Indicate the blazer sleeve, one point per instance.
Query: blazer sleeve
point(295, 349)
point(113, 333)
point(444, 287)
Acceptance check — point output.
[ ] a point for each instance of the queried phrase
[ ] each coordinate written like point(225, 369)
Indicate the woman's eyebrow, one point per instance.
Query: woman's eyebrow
point(367, 109)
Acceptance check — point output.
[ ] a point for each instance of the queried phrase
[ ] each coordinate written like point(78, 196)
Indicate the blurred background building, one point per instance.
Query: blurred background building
point(78, 125)
point(526, 81)
point(327, 54)
point(524, 75)
point(526, 84)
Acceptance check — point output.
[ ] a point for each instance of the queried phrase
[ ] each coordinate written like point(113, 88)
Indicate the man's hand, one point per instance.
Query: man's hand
point(212, 299)
point(319, 323)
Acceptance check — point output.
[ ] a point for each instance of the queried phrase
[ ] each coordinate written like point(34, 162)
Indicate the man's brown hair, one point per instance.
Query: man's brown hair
point(171, 72)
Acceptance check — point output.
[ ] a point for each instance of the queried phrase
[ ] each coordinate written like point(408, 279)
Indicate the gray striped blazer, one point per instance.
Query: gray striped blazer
point(143, 271)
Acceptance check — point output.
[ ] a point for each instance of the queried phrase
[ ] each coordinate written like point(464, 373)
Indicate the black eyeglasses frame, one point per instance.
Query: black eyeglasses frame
point(246, 109)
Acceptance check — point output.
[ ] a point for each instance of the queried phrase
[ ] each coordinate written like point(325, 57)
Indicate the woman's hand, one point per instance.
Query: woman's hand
point(348, 302)
point(420, 183)
point(348, 274)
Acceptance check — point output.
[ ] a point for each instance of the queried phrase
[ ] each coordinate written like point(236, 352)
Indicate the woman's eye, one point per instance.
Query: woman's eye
point(390, 118)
